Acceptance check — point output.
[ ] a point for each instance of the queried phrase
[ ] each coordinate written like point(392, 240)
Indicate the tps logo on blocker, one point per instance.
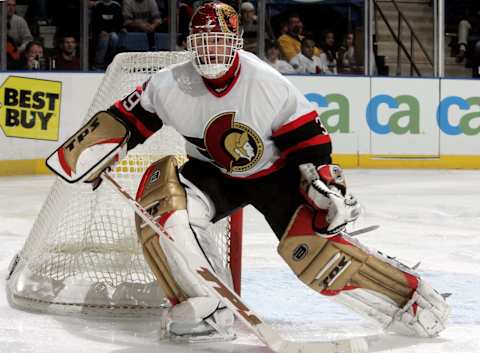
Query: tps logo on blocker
point(457, 115)
point(30, 108)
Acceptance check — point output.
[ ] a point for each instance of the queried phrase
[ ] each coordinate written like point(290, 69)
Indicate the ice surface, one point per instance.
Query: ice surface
point(432, 216)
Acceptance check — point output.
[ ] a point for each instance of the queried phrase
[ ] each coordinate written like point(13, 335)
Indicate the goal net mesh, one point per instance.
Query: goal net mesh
point(82, 254)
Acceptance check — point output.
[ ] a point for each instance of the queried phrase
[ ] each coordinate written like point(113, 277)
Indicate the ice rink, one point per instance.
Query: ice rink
point(430, 216)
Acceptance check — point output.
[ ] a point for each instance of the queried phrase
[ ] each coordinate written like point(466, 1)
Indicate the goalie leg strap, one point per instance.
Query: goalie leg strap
point(331, 265)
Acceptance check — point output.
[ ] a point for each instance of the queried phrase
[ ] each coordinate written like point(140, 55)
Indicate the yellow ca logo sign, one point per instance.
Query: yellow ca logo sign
point(30, 108)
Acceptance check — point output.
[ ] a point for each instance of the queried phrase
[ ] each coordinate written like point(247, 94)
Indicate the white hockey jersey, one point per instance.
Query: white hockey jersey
point(246, 131)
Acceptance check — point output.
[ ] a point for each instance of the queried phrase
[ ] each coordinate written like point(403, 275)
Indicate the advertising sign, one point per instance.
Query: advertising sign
point(38, 111)
point(30, 108)
point(340, 103)
point(401, 117)
point(373, 122)
point(458, 117)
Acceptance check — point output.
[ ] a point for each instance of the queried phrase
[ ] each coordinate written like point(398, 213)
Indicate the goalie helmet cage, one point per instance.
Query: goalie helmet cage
point(82, 254)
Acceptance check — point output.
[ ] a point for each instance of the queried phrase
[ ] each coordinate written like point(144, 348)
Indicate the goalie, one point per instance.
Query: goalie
point(252, 138)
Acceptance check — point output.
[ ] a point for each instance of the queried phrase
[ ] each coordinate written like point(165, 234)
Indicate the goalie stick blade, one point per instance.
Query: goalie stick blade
point(266, 333)
point(363, 230)
point(279, 345)
point(355, 345)
point(417, 265)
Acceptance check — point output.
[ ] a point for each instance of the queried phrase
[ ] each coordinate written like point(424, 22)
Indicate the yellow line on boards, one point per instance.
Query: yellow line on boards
point(367, 161)
point(23, 167)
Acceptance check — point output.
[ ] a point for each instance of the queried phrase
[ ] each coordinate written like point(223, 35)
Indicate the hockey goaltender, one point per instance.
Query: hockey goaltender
point(252, 138)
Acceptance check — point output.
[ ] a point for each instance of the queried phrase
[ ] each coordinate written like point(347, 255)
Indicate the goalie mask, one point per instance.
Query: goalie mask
point(214, 39)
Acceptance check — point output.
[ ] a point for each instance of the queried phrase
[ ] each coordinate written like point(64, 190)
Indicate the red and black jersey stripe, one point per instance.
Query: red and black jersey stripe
point(304, 140)
point(141, 123)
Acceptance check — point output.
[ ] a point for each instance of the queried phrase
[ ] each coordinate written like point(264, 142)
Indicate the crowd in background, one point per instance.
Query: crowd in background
point(27, 49)
point(44, 35)
point(296, 51)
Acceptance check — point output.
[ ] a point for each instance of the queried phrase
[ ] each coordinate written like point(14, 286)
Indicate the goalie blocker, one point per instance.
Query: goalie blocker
point(96, 146)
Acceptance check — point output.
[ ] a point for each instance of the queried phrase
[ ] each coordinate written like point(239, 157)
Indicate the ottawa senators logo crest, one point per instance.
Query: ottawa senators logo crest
point(230, 145)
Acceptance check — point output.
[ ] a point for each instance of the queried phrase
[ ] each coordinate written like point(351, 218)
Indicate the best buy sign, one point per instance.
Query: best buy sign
point(30, 108)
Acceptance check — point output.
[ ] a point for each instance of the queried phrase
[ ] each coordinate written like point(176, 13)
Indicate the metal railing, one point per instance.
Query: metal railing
point(401, 47)
point(3, 36)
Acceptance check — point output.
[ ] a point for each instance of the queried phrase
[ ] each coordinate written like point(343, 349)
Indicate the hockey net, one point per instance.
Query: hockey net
point(82, 254)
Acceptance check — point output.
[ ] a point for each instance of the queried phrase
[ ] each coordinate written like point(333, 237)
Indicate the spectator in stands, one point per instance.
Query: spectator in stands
point(163, 9)
point(283, 28)
point(39, 11)
point(32, 58)
point(185, 12)
point(181, 42)
point(290, 42)
point(13, 55)
point(469, 39)
point(17, 27)
point(67, 59)
point(467, 26)
point(273, 55)
point(107, 22)
point(66, 17)
point(305, 61)
point(347, 62)
point(248, 19)
point(142, 16)
point(328, 57)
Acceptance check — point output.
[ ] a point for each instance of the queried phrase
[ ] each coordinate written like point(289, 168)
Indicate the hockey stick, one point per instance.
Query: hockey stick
point(217, 288)
point(363, 230)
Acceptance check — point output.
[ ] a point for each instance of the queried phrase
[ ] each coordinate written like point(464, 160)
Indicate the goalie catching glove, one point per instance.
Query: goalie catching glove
point(325, 189)
point(96, 146)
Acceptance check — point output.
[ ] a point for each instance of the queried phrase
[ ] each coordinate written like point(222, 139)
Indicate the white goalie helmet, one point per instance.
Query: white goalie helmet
point(214, 39)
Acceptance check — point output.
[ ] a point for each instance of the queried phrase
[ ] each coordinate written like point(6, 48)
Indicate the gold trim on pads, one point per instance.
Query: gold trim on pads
point(331, 265)
point(160, 193)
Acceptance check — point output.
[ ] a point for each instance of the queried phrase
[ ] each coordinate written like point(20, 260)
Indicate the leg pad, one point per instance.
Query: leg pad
point(160, 193)
point(331, 265)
